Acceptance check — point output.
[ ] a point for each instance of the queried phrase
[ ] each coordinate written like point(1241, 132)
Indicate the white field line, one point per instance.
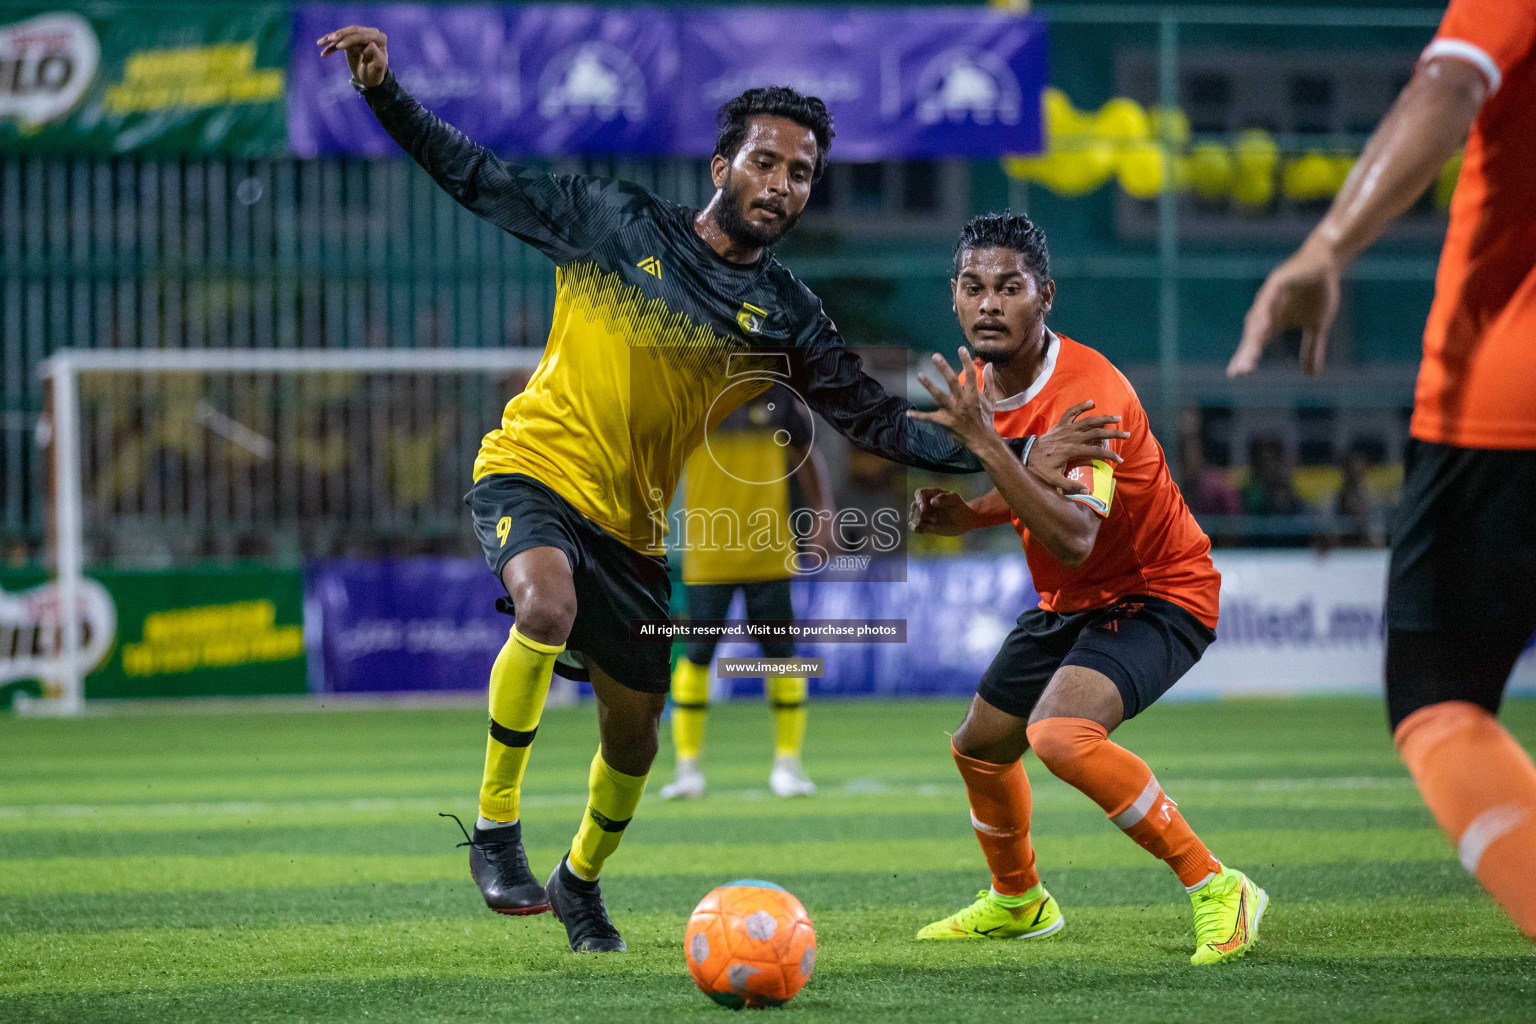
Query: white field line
point(385, 805)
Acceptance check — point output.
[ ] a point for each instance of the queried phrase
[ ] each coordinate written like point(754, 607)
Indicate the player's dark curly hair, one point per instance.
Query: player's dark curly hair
point(735, 115)
point(1006, 230)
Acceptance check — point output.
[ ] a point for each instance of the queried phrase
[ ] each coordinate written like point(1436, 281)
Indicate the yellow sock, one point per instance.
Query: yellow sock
point(690, 703)
point(519, 686)
point(787, 696)
point(612, 798)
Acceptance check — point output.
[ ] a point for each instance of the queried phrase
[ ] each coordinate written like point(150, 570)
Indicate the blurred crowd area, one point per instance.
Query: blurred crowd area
point(373, 466)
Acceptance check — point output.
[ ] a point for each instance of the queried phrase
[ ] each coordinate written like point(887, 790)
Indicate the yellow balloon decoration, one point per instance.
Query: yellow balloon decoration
point(1445, 185)
point(1141, 171)
point(1170, 126)
point(1061, 117)
point(1308, 178)
point(1125, 141)
point(1122, 120)
point(1253, 168)
point(1343, 163)
point(1069, 173)
point(1209, 171)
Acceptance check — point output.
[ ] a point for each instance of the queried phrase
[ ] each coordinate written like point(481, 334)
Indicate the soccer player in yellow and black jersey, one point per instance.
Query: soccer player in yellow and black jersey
point(741, 533)
point(571, 491)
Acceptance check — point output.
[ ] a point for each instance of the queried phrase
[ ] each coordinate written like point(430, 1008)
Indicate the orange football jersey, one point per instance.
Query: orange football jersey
point(1477, 383)
point(1149, 543)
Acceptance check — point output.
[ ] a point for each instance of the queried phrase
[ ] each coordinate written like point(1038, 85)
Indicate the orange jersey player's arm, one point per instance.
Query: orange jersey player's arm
point(1067, 525)
point(1427, 124)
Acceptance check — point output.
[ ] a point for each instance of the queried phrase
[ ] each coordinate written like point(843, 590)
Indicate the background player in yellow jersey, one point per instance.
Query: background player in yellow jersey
point(654, 302)
point(741, 476)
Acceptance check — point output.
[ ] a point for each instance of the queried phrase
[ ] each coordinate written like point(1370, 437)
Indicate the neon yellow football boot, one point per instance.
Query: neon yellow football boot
point(1227, 913)
point(989, 918)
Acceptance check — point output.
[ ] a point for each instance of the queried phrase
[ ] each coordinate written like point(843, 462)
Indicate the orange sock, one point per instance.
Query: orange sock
point(1078, 751)
point(999, 795)
point(1482, 789)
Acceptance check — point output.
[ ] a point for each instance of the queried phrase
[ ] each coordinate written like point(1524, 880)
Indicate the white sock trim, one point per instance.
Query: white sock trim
point(578, 874)
point(1485, 830)
point(1200, 884)
point(483, 823)
point(991, 830)
point(1139, 808)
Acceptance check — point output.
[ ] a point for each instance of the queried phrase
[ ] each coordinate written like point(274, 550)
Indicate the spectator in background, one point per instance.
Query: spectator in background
point(1356, 518)
point(1206, 488)
point(1270, 492)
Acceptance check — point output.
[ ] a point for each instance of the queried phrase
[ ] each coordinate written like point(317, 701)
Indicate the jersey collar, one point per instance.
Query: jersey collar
point(1023, 398)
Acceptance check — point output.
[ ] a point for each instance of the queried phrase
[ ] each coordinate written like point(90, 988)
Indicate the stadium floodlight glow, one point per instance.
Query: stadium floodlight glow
point(64, 371)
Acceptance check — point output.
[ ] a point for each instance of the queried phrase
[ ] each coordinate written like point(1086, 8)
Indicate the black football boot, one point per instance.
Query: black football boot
point(499, 867)
point(578, 904)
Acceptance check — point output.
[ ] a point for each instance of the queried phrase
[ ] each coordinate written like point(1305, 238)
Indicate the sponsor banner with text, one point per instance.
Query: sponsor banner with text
point(900, 82)
point(191, 633)
point(541, 78)
point(1291, 623)
point(563, 79)
point(179, 81)
point(403, 624)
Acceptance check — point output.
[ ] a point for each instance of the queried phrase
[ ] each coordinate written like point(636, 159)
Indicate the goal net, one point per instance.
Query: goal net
point(167, 458)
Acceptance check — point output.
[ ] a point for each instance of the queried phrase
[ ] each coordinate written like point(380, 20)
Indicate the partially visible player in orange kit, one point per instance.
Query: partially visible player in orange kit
point(1461, 591)
point(1128, 599)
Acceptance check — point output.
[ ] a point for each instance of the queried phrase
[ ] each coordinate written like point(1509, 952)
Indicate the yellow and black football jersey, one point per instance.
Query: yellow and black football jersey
point(736, 516)
point(653, 331)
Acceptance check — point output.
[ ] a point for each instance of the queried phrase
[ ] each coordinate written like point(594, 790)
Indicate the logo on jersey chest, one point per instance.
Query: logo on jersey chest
point(651, 265)
point(751, 318)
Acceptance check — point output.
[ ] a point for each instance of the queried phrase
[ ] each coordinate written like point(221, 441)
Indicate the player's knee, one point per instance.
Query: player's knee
point(1425, 726)
point(1063, 744)
point(544, 613)
point(979, 744)
point(630, 741)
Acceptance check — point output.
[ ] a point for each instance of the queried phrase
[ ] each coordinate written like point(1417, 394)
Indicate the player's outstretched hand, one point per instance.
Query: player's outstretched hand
point(1073, 439)
point(935, 510)
point(366, 49)
point(964, 410)
point(1301, 292)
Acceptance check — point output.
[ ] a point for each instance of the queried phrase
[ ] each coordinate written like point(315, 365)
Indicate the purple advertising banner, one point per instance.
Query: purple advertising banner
point(554, 79)
point(403, 624)
point(414, 624)
point(566, 79)
point(908, 82)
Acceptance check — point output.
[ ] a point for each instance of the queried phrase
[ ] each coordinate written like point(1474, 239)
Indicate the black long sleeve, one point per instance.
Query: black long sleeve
point(562, 215)
point(831, 377)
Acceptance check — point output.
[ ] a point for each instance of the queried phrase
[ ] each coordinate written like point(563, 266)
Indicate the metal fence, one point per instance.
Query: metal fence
point(249, 254)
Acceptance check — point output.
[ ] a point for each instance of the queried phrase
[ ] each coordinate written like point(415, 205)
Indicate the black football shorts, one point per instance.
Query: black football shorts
point(1143, 644)
point(615, 584)
point(1461, 587)
point(766, 601)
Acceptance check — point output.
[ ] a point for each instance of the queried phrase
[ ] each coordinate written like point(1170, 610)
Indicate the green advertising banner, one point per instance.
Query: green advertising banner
point(179, 80)
point(193, 633)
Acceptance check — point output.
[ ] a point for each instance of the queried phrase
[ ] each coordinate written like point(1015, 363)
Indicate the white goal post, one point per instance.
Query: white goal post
point(64, 371)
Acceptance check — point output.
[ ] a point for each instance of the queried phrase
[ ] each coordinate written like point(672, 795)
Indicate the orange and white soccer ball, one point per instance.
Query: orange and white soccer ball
point(750, 943)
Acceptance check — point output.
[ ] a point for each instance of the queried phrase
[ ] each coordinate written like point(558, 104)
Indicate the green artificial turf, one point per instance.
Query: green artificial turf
point(291, 867)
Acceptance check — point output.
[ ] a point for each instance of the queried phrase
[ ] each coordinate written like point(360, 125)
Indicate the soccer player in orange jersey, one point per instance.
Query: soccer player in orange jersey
point(1461, 591)
point(1128, 598)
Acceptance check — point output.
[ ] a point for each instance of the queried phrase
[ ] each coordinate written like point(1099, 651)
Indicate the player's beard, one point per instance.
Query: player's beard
point(994, 353)
point(742, 232)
